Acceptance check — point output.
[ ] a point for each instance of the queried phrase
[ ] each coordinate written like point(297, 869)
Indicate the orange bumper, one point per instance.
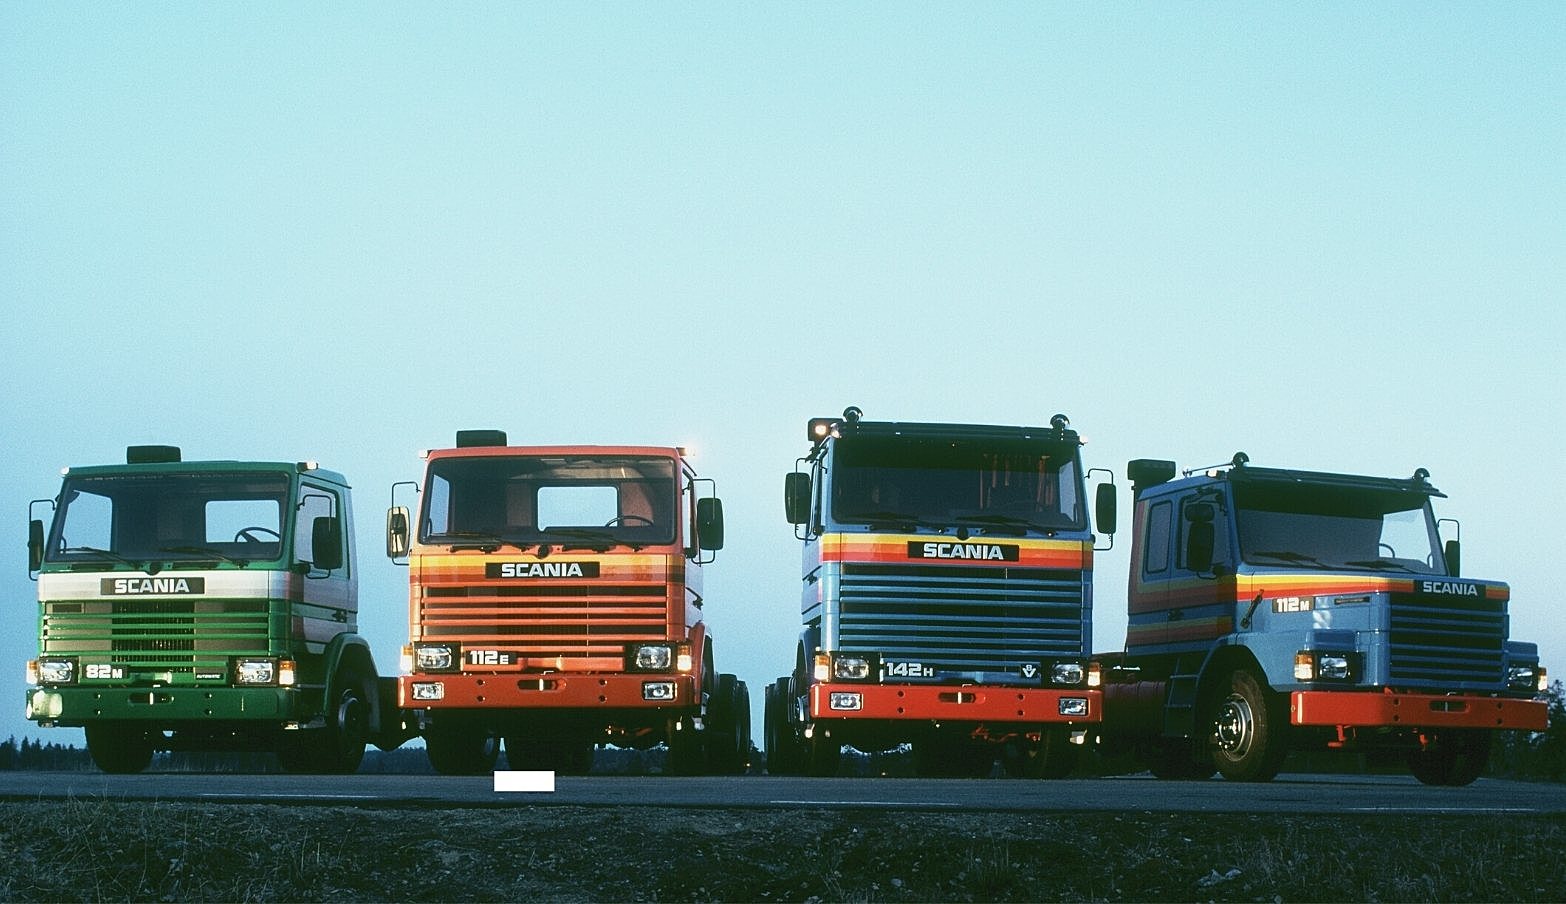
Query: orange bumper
point(1362, 709)
point(955, 704)
point(555, 690)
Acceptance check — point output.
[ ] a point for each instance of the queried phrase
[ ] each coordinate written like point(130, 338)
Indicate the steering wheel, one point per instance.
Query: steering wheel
point(627, 519)
point(247, 534)
point(1391, 553)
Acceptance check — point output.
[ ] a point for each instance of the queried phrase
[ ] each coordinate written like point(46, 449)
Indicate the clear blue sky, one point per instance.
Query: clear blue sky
point(1331, 235)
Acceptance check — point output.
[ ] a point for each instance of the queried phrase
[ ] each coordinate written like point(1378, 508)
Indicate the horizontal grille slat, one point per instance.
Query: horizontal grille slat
point(158, 635)
point(574, 620)
point(963, 618)
point(1447, 642)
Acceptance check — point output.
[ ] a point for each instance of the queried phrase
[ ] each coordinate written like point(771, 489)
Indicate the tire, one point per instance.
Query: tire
point(687, 749)
point(337, 749)
point(1249, 730)
point(461, 749)
point(725, 744)
point(777, 734)
point(1455, 759)
point(1180, 759)
point(1052, 757)
point(119, 748)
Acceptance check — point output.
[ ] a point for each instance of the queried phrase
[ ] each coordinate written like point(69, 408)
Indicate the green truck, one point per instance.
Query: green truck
point(206, 605)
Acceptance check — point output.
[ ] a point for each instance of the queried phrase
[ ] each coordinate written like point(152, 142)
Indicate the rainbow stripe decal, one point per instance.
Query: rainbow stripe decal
point(939, 550)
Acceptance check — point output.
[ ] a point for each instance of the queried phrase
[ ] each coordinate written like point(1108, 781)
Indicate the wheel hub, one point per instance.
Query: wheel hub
point(1235, 728)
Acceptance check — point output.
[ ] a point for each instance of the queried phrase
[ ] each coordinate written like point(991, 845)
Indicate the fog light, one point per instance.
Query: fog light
point(660, 691)
point(254, 671)
point(1544, 680)
point(1073, 706)
point(43, 704)
point(851, 668)
point(846, 701)
point(1304, 667)
point(429, 690)
point(1069, 673)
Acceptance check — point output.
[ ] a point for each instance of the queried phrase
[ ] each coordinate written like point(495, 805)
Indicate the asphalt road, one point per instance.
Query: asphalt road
point(1297, 794)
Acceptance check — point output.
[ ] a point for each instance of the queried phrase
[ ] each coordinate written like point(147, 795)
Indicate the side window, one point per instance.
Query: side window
point(314, 503)
point(88, 522)
point(1220, 533)
point(1156, 539)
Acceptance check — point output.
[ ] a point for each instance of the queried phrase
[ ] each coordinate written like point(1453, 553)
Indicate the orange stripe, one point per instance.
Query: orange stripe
point(1074, 554)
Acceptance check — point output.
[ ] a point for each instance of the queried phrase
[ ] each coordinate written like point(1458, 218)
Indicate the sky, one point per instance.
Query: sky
point(1331, 235)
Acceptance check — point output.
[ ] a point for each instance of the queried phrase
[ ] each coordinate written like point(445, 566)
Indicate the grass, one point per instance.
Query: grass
point(95, 850)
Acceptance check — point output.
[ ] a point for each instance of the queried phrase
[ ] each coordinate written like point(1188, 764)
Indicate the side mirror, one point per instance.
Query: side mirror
point(709, 524)
point(796, 497)
point(397, 542)
point(1104, 509)
point(326, 543)
point(1452, 552)
point(35, 545)
point(1199, 546)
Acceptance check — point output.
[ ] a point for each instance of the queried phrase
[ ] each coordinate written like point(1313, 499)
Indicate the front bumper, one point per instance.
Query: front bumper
point(553, 690)
point(76, 706)
point(947, 703)
point(1369, 709)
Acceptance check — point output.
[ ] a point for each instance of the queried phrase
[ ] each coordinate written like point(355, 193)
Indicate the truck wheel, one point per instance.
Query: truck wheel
point(725, 753)
point(1456, 758)
point(777, 734)
point(1249, 730)
point(461, 749)
point(119, 748)
point(348, 725)
point(1053, 756)
point(1180, 759)
point(686, 746)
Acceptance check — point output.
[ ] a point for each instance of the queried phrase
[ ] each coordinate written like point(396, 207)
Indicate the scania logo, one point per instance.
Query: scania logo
point(132, 586)
point(541, 570)
point(1449, 588)
point(990, 552)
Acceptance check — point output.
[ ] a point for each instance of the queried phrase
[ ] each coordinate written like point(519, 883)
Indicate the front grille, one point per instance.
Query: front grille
point(966, 618)
point(540, 620)
point(157, 635)
point(1447, 642)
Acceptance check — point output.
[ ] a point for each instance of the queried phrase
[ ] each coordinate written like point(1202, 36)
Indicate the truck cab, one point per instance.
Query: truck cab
point(946, 598)
point(210, 605)
point(1271, 609)
point(556, 602)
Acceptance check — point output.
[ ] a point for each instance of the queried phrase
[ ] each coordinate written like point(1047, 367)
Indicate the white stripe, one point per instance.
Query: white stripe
point(525, 782)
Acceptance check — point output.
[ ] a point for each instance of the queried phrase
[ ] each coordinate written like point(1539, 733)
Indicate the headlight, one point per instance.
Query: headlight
point(254, 671)
point(850, 668)
point(1068, 673)
point(56, 671)
point(435, 657)
point(651, 657)
point(1525, 678)
point(1324, 665)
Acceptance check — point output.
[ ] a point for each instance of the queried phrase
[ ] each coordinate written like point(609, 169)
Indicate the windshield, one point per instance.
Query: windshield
point(1322, 526)
point(559, 501)
point(990, 484)
point(135, 518)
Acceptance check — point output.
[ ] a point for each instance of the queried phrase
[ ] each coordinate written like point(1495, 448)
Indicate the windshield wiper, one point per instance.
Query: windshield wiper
point(990, 522)
point(880, 520)
point(601, 541)
point(1288, 557)
point(477, 540)
point(207, 550)
point(1382, 565)
point(152, 567)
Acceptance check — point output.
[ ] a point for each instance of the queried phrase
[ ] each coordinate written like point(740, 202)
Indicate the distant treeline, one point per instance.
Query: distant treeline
point(1535, 756)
